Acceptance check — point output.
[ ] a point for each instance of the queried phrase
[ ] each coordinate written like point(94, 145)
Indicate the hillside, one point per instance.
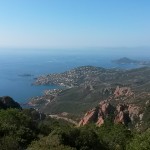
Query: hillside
point(87, 86)
point(32, 130)
point(95, 76)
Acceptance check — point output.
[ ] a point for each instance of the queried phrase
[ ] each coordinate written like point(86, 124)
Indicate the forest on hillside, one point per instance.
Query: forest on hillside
point(28, 129)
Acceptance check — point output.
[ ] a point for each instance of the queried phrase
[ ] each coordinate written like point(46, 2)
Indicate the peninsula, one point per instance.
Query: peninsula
point(126, 60)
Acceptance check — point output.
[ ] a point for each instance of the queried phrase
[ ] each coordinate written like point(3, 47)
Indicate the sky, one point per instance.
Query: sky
point(74, 23)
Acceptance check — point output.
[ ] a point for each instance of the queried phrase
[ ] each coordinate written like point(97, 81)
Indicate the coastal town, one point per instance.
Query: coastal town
point(78, 76)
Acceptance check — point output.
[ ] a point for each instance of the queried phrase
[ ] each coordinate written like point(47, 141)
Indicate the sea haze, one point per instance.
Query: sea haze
point(18, 70)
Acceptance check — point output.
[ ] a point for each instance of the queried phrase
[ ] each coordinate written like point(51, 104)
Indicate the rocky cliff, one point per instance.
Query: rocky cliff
point(97, 114)
point(123, 91)
point(115, 107)
point(122, 113)
point(8, 102)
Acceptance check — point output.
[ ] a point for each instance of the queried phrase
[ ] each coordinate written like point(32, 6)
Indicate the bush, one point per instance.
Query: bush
point(140, 141)
point(16, 128)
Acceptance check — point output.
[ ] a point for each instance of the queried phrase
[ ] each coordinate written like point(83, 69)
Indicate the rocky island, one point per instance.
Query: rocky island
point(126, 60)
point(26, 75)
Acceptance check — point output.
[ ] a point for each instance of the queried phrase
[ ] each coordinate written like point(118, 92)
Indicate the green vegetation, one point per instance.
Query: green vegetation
point(107, 137)
point(115, 136)
point(19, 127)
point(28, 129)
point(69, 138)
point(140, 141)
point(17, 130)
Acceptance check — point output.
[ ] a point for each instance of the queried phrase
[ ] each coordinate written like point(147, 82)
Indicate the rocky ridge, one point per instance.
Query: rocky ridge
point(121, 112)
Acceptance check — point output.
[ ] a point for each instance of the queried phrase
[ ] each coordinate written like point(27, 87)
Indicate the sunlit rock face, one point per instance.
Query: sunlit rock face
point(122, 112)
point(123, 91)
point(98, 114)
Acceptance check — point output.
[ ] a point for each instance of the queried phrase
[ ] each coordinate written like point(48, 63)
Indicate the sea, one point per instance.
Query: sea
point(19, 68)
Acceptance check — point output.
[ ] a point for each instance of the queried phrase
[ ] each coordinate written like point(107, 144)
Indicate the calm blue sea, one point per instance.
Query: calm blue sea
point(36, 63)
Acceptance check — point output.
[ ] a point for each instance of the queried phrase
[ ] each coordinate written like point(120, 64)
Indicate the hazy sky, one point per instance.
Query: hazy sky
point(74, 23)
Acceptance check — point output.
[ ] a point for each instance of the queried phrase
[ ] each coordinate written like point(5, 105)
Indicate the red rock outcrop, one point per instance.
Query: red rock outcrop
point(97, 114)
point(88, 117)
point(123, 113)
point(134, 112)
point(123, 91)
point(119, 117)
point(127, 113)
point(100, 121)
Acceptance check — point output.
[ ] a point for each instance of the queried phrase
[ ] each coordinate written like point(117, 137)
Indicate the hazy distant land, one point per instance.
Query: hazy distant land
point(126, 60)
point(25, 75)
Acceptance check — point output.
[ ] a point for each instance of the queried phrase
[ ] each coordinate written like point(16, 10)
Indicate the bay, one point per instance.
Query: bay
point(19, 69)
